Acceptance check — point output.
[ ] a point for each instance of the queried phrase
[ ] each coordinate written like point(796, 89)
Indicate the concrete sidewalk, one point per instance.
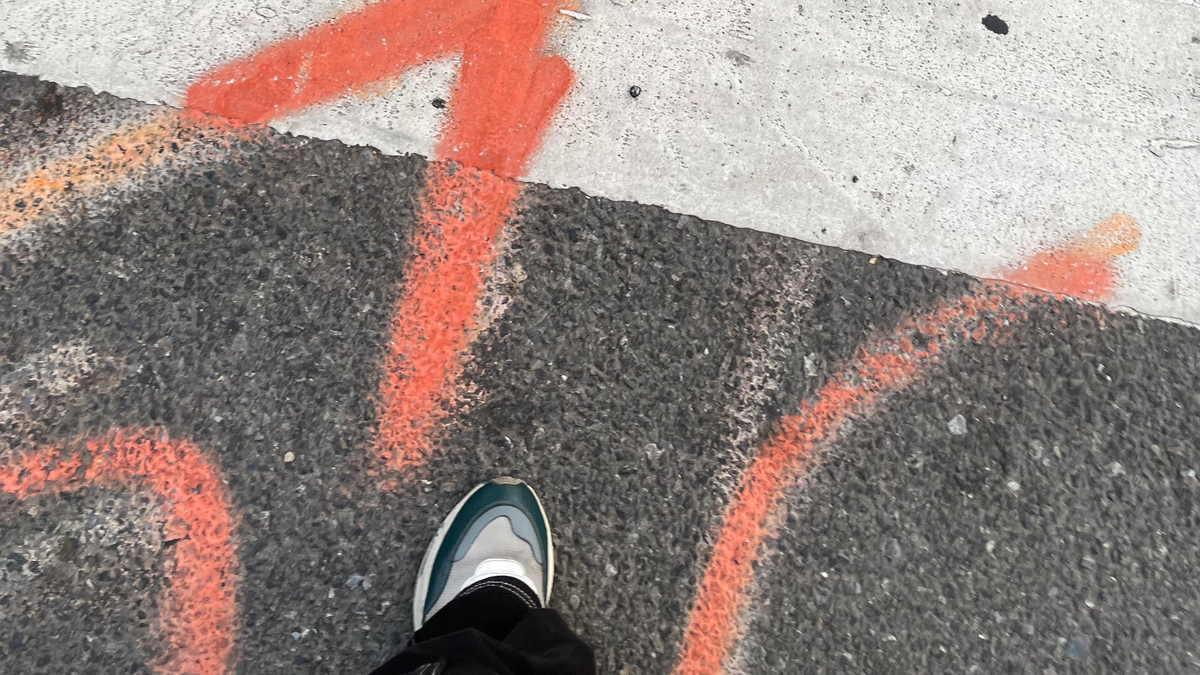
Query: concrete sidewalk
point(936, 474)
point(963, 135)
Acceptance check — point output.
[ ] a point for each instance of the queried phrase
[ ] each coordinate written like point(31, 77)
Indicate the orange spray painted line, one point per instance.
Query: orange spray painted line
point(876, 370)
point(198, 605)
point(129, 153)
point(462, 215)
point(376, 42)
point(505, 94)
point(505, 97)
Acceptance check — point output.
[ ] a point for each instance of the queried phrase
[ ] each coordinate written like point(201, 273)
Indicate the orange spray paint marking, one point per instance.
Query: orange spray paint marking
point(1084, 268)
point(503, 102)
point(876, 370)
point(506, 91)
point(129, 153)
point(198, 604)
point(505, 95)
point(377, 42)
point(463, 213)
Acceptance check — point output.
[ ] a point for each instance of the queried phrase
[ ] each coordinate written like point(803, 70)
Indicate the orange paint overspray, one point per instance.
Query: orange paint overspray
point(1084, 268)
point(877, 369)
point(127, 154)
point(198, 604)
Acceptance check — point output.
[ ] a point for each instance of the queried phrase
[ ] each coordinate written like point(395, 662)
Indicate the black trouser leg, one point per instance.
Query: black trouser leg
point(490, 630)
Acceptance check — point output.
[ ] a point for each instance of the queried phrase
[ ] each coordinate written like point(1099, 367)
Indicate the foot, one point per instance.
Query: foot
point(498, 532)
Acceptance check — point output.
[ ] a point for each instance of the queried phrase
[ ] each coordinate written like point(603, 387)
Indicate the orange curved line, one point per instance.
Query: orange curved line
point(877, 369)
point(198, 606)
point(130, 152)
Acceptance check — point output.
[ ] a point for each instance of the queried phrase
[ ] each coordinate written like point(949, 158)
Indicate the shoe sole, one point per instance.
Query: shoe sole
point(426, 569)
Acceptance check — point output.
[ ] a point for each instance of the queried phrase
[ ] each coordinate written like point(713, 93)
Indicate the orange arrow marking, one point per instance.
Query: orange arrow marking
point(506, 91)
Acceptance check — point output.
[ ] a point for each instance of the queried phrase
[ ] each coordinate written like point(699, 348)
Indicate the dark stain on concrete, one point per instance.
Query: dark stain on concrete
point(995, 24)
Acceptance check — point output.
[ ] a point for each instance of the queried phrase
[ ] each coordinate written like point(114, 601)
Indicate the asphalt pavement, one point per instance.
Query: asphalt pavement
point(1023, 504)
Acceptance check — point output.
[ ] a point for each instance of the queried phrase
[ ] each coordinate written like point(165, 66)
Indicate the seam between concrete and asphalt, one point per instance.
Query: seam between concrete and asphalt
point(947, 134)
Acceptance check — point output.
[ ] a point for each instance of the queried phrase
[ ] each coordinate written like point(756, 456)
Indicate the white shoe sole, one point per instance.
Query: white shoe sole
point(426, 569)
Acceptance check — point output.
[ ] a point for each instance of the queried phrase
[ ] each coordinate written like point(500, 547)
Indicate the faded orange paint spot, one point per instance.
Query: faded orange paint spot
point(198, 604)
point(126, 154)
point(462, 215)
point(1084, 268)
point(877, 369)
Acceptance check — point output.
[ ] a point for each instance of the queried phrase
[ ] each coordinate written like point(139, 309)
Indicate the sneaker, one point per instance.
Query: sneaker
point(497, 531)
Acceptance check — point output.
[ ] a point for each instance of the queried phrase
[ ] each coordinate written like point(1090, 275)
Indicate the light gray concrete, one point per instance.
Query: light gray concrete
point(972, 149)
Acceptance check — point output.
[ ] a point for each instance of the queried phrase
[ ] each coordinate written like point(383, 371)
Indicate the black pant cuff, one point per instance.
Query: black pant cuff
point(492, 606)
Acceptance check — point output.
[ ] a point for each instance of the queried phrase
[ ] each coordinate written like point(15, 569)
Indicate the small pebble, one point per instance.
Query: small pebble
point(574, 601)
point(1013, 485)
point(892, 550)
point(957, 425)
point(610, 571)
point(289, 456)
point(635, 91)
point(652, 451)
point(354, 580)
point(1077, 647)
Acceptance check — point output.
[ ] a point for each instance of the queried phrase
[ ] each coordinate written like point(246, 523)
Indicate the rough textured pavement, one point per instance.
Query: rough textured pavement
point(629, 363)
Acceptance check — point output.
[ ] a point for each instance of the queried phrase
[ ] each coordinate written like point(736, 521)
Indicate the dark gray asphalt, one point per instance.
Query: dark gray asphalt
point(1056, 535)
point(244, 304)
